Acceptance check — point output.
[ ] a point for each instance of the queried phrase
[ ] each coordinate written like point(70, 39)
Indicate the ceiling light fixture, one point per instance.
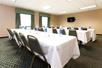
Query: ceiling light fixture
point(92, 6)
point(69, 0)
point(13, 0)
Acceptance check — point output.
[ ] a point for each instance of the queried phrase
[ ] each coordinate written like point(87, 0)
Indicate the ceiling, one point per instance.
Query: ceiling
point(57, 7)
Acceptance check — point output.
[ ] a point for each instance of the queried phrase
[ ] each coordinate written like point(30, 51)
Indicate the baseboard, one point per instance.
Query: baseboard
point(4, 37)
point(99, 34)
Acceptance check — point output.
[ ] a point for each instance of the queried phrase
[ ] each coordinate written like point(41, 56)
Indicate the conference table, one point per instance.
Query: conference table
point(92, 34)
point(86, 35)
point(82, 35)
point(58, 49)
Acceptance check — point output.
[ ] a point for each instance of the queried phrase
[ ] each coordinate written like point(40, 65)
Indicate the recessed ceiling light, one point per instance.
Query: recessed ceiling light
point(13, 0)
point(69, 0)
point(46, 7)
point(87, 7)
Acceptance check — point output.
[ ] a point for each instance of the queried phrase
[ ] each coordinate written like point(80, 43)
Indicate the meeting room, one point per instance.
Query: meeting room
point(50, 33)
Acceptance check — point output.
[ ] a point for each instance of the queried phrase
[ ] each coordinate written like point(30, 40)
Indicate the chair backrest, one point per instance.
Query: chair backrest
point(73, 33)
point(76, 28)
point(54, 30)
point(35, 28)
point(40, 29)
point(68, 27)
point(10, 33)
point(35, 47)
point(52, 27)
point(18, 39)
point(58, 27)
point(62, 31)
point(24, 40)
point(83, 28)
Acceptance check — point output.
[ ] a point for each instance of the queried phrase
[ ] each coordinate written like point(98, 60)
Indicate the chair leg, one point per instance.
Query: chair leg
point(49, 66)
point(32, 61)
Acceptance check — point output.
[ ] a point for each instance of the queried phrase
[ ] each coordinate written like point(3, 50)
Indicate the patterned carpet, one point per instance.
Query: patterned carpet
point(91, 56)
point(13, 57)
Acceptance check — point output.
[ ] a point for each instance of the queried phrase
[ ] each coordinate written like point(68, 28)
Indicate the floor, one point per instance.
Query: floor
point(91, 56)
point(11, 56)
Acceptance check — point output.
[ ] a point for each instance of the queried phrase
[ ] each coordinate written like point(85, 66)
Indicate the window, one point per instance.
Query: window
point(44, 21)
point(25, 20)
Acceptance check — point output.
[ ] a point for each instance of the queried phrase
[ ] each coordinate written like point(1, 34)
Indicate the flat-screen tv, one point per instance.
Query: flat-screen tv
point(71, 19)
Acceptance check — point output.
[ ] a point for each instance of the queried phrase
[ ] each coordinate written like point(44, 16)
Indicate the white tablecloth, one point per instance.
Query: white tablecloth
point(58, 49)
point(92, 34)
point(82, 35)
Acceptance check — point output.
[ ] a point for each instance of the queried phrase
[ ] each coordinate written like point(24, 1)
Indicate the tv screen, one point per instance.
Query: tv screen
point(71, 19)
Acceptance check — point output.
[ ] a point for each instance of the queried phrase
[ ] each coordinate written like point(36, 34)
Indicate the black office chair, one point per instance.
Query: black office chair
point(53, 27)
point(54, 30)
point(74, 33)
point(62, 31)
point(37, 62)
point(23, 39)
point(18, 39)
point(36, 28)
point(40, 29)
point(58, 27)
point(83, 28)
point(11, 34)
point(76, 28)
point(21, 49)
point(68, 27)
point(25, 45)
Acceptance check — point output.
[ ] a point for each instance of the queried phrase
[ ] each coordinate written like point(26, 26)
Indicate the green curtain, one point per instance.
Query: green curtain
point(40, 23)
point(40, 19)
point(24, 11)
point(18, 22)
point(32, 22)
point(48, 21)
